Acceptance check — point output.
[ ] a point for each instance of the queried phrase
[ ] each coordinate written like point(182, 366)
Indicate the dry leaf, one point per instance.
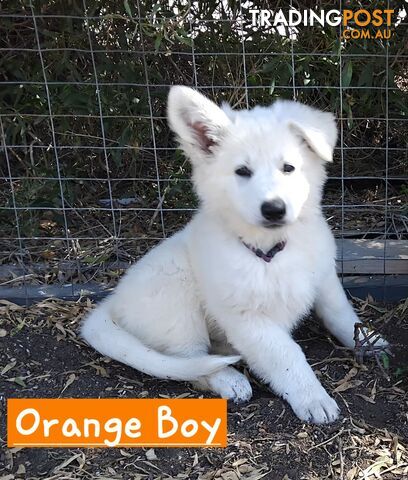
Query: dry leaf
point(66, 462)
point(347, 386)
point(257, 475)
point(151, 454)
point(350, 374)
point(8, 367)
point(231, 475)
point(352, 473)
point(19, 380)
point(364, 397)
point(70, 381)
point(124, 453)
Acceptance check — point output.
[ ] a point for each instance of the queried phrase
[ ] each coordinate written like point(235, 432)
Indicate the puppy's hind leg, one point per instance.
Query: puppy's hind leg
point(227, 383)
point(185, 362)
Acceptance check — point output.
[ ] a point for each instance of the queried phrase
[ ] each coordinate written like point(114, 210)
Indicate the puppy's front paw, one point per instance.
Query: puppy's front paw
point(316, 407)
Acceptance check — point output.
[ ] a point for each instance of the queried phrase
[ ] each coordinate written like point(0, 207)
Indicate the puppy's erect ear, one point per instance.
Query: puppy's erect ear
point(199, 123)
point(318, 129)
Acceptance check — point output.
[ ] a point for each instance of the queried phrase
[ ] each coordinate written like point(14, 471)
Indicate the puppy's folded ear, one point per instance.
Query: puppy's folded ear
point(318, 129)
point(198, 122)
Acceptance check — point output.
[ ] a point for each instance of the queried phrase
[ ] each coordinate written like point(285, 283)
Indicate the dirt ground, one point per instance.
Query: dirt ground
point(41, 356)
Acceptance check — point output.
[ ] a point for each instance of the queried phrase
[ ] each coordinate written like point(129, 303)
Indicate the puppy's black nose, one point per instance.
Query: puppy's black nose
point(274, 209)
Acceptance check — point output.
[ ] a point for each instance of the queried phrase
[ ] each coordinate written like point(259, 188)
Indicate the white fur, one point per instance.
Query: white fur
point(202, 288)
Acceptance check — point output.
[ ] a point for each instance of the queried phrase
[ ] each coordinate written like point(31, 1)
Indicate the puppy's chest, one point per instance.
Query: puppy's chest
point(285, 286)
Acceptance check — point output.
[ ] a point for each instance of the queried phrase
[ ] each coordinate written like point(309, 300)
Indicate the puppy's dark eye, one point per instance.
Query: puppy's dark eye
point(244, 172)
point(287, 168)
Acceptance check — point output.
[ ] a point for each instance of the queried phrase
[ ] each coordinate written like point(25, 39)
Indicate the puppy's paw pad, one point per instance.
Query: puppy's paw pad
point(317, 409)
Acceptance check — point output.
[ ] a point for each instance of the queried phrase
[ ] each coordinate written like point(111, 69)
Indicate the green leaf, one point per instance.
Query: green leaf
point(401, 372)
point(391, 78)
point(158, 42)
point(347, 74)
point(366, 76)
point(272, 87)
point(156, 8)
point(184, 38)
point(385, 360)
point(269, 67)
point(127, 8)
point(18, 380)
point(18, 328)
point(252, 80)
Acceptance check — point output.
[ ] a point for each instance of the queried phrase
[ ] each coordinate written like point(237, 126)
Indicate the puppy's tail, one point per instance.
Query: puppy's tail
point(100, 331)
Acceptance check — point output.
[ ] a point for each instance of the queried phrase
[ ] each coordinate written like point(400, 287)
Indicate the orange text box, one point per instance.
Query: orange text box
point(116, 422)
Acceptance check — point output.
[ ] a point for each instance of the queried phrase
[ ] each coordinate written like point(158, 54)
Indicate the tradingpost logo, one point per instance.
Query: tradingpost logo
point(356, 24)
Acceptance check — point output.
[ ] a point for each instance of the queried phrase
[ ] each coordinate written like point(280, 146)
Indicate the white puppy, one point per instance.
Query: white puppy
point(256, 257)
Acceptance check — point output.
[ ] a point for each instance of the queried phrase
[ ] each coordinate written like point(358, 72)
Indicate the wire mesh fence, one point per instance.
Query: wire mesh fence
point(90, 175)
